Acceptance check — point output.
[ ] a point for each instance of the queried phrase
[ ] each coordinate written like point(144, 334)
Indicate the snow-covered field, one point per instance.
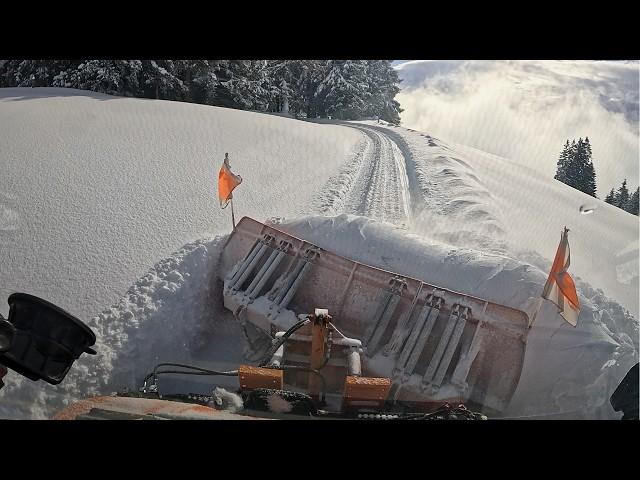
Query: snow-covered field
point(96, 189)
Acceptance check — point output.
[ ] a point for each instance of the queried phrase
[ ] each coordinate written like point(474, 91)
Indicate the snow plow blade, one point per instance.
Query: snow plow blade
point(435, 344)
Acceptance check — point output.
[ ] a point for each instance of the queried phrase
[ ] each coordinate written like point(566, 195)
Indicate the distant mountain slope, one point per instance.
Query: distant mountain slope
point(526, 110)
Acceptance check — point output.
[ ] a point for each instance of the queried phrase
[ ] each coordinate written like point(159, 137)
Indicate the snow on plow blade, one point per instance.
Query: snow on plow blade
point(437, 345)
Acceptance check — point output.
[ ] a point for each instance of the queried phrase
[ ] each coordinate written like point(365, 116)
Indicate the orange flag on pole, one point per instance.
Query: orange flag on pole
point(227, 181)
point(560, 288)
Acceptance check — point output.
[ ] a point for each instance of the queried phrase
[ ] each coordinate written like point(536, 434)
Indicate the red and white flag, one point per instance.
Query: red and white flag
point(560, 288)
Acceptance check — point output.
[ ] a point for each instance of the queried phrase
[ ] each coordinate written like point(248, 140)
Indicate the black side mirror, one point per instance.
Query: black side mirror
point(40, 340)
point(625, 397)
point(7, 332)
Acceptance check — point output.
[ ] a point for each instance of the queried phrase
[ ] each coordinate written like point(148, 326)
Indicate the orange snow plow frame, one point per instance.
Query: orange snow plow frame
point(129, 408)
point(435, 344)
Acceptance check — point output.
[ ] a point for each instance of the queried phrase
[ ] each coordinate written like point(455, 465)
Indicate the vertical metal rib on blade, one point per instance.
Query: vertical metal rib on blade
point(288, 280)
point(245, 261)
point(385, 311)
point(401, 331)
point(442, 345)
point(451, 347)
point(419, 335)
point(461, 371)
point(242, 278)
point(265, 278)
point(294, 286)
point(383, 324)
point(310, 254)
point(261, 272)
point(382, 306)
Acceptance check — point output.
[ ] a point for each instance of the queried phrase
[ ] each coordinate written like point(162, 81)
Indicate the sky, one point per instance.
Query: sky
point(526, 110)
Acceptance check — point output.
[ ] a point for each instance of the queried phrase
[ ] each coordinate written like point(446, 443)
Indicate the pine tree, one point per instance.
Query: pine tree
point(590, 180)
point(575, 166)
point(312, 77)
point(343, 93)
point(611, 197)
point(202, 79)
point(622, 198)
point(562, 165)
point(572, 166)
point(633, 203)
point(572, 174)
point(281, 80)
point(131, 77)
point(587, 147)
point(244, 84)
point(580, 166)
point(588, 176)
point(160, 79)
point(383, 84)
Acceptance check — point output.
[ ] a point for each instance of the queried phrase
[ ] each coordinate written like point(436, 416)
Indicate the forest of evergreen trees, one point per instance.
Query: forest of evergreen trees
point(575, 168)
point(342, 89)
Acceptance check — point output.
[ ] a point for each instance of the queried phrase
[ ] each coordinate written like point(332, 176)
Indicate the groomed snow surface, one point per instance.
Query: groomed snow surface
point(96, 188)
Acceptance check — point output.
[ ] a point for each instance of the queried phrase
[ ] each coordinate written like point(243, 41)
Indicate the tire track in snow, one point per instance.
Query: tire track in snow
point(374, 184)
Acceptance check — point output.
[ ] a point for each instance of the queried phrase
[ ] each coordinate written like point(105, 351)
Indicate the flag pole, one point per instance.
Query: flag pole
point(537, 310)
point(227, 181)
point(545, 292)
point(233, 217)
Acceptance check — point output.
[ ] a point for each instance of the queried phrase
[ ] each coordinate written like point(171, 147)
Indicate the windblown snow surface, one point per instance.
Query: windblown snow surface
point(96, 188)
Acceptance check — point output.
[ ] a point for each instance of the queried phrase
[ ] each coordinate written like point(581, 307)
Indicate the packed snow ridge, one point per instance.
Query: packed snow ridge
point(162, 317)
point(397, 199)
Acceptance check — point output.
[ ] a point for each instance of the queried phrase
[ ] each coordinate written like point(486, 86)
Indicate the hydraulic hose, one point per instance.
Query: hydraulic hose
point(281, 340)
point(198, 371)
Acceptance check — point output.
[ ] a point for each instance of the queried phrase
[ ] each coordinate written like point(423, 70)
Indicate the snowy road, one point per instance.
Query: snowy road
point(373, 184)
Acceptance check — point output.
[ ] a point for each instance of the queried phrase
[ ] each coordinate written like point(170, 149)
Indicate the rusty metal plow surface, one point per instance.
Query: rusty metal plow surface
point(436, 344)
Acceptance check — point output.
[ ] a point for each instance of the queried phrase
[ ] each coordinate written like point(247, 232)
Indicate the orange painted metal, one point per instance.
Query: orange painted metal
point(319, 333)
point(365, 392)
point(146, 406)
point(492, 346)
point(257, 377)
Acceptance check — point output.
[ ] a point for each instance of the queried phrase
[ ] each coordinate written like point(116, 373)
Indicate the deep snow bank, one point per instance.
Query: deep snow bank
point(95, 188)
point(167, 315)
